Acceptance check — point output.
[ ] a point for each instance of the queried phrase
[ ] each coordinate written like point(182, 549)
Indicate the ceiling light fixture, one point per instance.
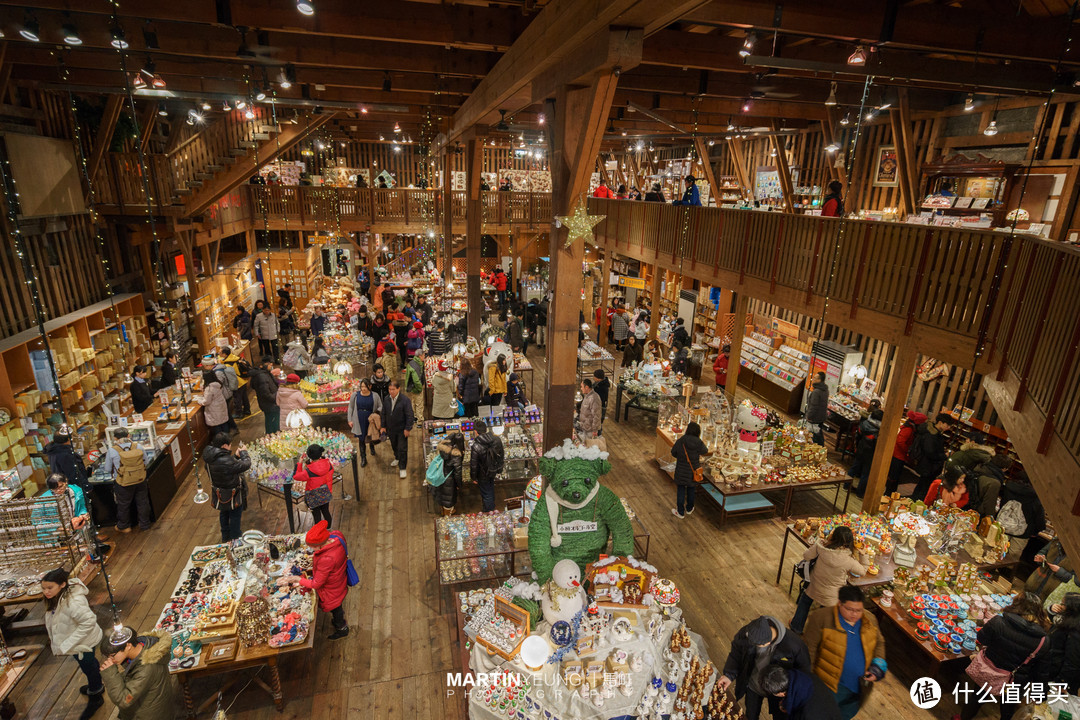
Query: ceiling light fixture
point(118, 40)
point(858, 57)
point(540, 119)
point(832, 147)
point(138, 82)
point(746, 106)
point(748, 45)
point(991, 129)
point(846, 120)
point(30, 29)
point(249, 114)
point(969, 102)
point(397, 128)
point(305, 7)
point(71, 34)
point(162, 110)
point(831, 100)
point(241, 104)
point(225, 106)
point(205, 106)
point(260, 95)
point(363, 111)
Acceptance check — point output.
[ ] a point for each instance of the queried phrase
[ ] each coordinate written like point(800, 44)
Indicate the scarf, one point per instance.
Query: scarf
point(554, 501)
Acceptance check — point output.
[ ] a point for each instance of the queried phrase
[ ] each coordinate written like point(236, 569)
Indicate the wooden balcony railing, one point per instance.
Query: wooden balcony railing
point(1014, 296)
point(401, 207)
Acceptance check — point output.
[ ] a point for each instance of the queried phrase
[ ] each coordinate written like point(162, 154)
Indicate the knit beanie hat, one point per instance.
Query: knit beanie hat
point(318, 534)
point(759, 631)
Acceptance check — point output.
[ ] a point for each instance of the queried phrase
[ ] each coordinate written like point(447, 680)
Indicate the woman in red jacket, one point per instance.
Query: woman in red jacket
point(317, 473)
point(904, 438)
point(720, 366)
point(328, 570)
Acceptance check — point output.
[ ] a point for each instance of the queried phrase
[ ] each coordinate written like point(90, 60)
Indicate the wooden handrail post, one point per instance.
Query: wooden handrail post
point(1048, 293)
point(1017, 308)
point(859, 272)
point(917, 287)
point(1059, 387)
point(776, 255)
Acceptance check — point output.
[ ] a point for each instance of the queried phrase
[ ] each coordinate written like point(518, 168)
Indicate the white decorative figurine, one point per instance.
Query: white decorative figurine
point(563, 597)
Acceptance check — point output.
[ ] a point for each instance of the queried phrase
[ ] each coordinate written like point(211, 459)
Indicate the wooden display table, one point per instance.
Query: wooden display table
point(18, 669)
point(898, 619)
point(245, 658)
point(886, 566)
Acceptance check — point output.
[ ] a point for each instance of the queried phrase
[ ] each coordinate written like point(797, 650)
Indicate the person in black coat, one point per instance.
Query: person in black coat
point(1009, 639)
point(1019, 488)
point(142, 395)
point(656, 194)
point(679, 334)
point(469, 389)
point(803, 696)
point(265, 386)
point(602, 387)
point(1063, 657)
point(242, 322)
point(817, 408)
point(681, 361)
point(687, 451)
point(168, 371)
point(64, 460)
point(864, 449)
point(452, 450)
point(398, 412)
point(486, 461)
point(757, 645)
point(228, 492)
point(927, 454)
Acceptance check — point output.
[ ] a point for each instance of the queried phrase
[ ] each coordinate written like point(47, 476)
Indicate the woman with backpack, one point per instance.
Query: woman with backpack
point(864, 449)
point(415, 340)
point(833, 563)
point(73, 630)
point(329, 574)
point(452, 452)
point(317, 474)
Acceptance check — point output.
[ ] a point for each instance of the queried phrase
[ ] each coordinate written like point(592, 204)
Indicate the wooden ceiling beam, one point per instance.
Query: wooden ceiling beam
point(465, 27)
point(114, 104)
point(213, 43)
point(931, 26)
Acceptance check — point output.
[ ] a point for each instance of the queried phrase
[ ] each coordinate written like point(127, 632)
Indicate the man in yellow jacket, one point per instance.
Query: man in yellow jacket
point(846, 649)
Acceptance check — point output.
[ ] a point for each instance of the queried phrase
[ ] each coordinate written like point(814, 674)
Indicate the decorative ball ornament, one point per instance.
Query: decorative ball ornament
point(665, 593)
point(580, 225)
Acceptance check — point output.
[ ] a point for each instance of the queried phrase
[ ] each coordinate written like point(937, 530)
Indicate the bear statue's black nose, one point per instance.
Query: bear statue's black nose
point(577, 495)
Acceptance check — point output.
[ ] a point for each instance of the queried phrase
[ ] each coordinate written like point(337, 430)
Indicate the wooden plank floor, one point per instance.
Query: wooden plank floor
point(394, 663)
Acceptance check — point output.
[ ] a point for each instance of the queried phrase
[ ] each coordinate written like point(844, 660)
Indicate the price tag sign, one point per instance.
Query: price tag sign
point(123, 422)
point(136, 418)
point(768, 447)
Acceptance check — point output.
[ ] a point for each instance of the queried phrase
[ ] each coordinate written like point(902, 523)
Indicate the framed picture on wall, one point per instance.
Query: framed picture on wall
point(885, 168)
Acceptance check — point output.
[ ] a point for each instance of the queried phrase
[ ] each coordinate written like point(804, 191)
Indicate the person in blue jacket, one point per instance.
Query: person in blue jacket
point(690, 195)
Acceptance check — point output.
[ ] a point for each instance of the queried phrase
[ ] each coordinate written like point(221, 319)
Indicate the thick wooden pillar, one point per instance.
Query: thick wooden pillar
point(605, 291)
point(448, 220)
point(654, 298)
point(707, 169)
point(576, 119)
point(742, 305)
point(474, 224)
point(783, 170)
point(896, 392)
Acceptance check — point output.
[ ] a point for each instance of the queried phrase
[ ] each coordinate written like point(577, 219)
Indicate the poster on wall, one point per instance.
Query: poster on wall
point(885, 168)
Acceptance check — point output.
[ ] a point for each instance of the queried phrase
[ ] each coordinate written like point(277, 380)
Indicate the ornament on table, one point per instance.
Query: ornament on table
point(751, 420)
point(253, 621)
point(563, 596)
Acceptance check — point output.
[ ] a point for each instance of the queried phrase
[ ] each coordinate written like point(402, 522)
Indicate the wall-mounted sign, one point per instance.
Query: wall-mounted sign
point(631, 282)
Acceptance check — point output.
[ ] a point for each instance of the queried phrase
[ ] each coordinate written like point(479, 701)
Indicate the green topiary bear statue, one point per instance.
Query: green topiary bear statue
point(585, 512)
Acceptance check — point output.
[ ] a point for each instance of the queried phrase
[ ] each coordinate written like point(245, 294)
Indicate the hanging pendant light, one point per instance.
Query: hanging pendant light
point(201, 496)
point(991, 129)
point(969, 102)
point(120, 634)
point(831, 100)
point(66, 429)
point(298, 418)
point(846, 120)
point(341, 367)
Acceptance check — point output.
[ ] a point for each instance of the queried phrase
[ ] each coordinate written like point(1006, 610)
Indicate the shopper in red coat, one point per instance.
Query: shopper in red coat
point(720, 366)
point(317, 474)
point(904, 438)
point(329, 579)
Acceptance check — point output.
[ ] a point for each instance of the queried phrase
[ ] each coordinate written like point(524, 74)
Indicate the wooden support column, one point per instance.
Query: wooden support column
point(146, 124)
point(654, 298)
point(605, 289)
point(448, 220)
point(738, 157)
point(910, 154)
point(742, 306)
point(374, 241)
point(896, 392)
point(576, 119)
point(113, 105)
point(706, 165)
point(474, 224)
point(783, 171)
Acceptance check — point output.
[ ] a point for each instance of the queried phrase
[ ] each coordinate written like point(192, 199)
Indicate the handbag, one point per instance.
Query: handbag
point(803, 568)
point(318, 497)
point(352, 578)
point(699, 472)
point(985, 672)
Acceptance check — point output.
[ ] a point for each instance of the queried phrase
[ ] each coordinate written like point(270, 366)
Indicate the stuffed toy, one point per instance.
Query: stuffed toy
point(576, 514)
point(751, 420)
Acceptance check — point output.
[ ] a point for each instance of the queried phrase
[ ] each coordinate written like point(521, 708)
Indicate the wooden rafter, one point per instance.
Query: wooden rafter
point(113, 106)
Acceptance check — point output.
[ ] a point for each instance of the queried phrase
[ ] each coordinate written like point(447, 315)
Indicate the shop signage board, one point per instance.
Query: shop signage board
point(631, 282)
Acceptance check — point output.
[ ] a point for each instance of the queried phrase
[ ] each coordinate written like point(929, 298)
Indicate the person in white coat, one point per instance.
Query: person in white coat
point(73, 630)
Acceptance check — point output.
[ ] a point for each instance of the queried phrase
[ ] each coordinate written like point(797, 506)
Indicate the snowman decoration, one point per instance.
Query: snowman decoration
point(750, 420)
point(563, 597)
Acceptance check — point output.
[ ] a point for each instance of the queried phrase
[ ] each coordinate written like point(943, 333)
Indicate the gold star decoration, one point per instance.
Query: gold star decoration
point(580, 225)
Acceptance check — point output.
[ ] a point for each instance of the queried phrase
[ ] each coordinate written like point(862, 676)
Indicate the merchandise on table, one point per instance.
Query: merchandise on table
point(274, 457)
point(519, 430)
point(850, 401)
point(347, 344)
point(589, 350)
point(328, 387)
point(227, 595)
